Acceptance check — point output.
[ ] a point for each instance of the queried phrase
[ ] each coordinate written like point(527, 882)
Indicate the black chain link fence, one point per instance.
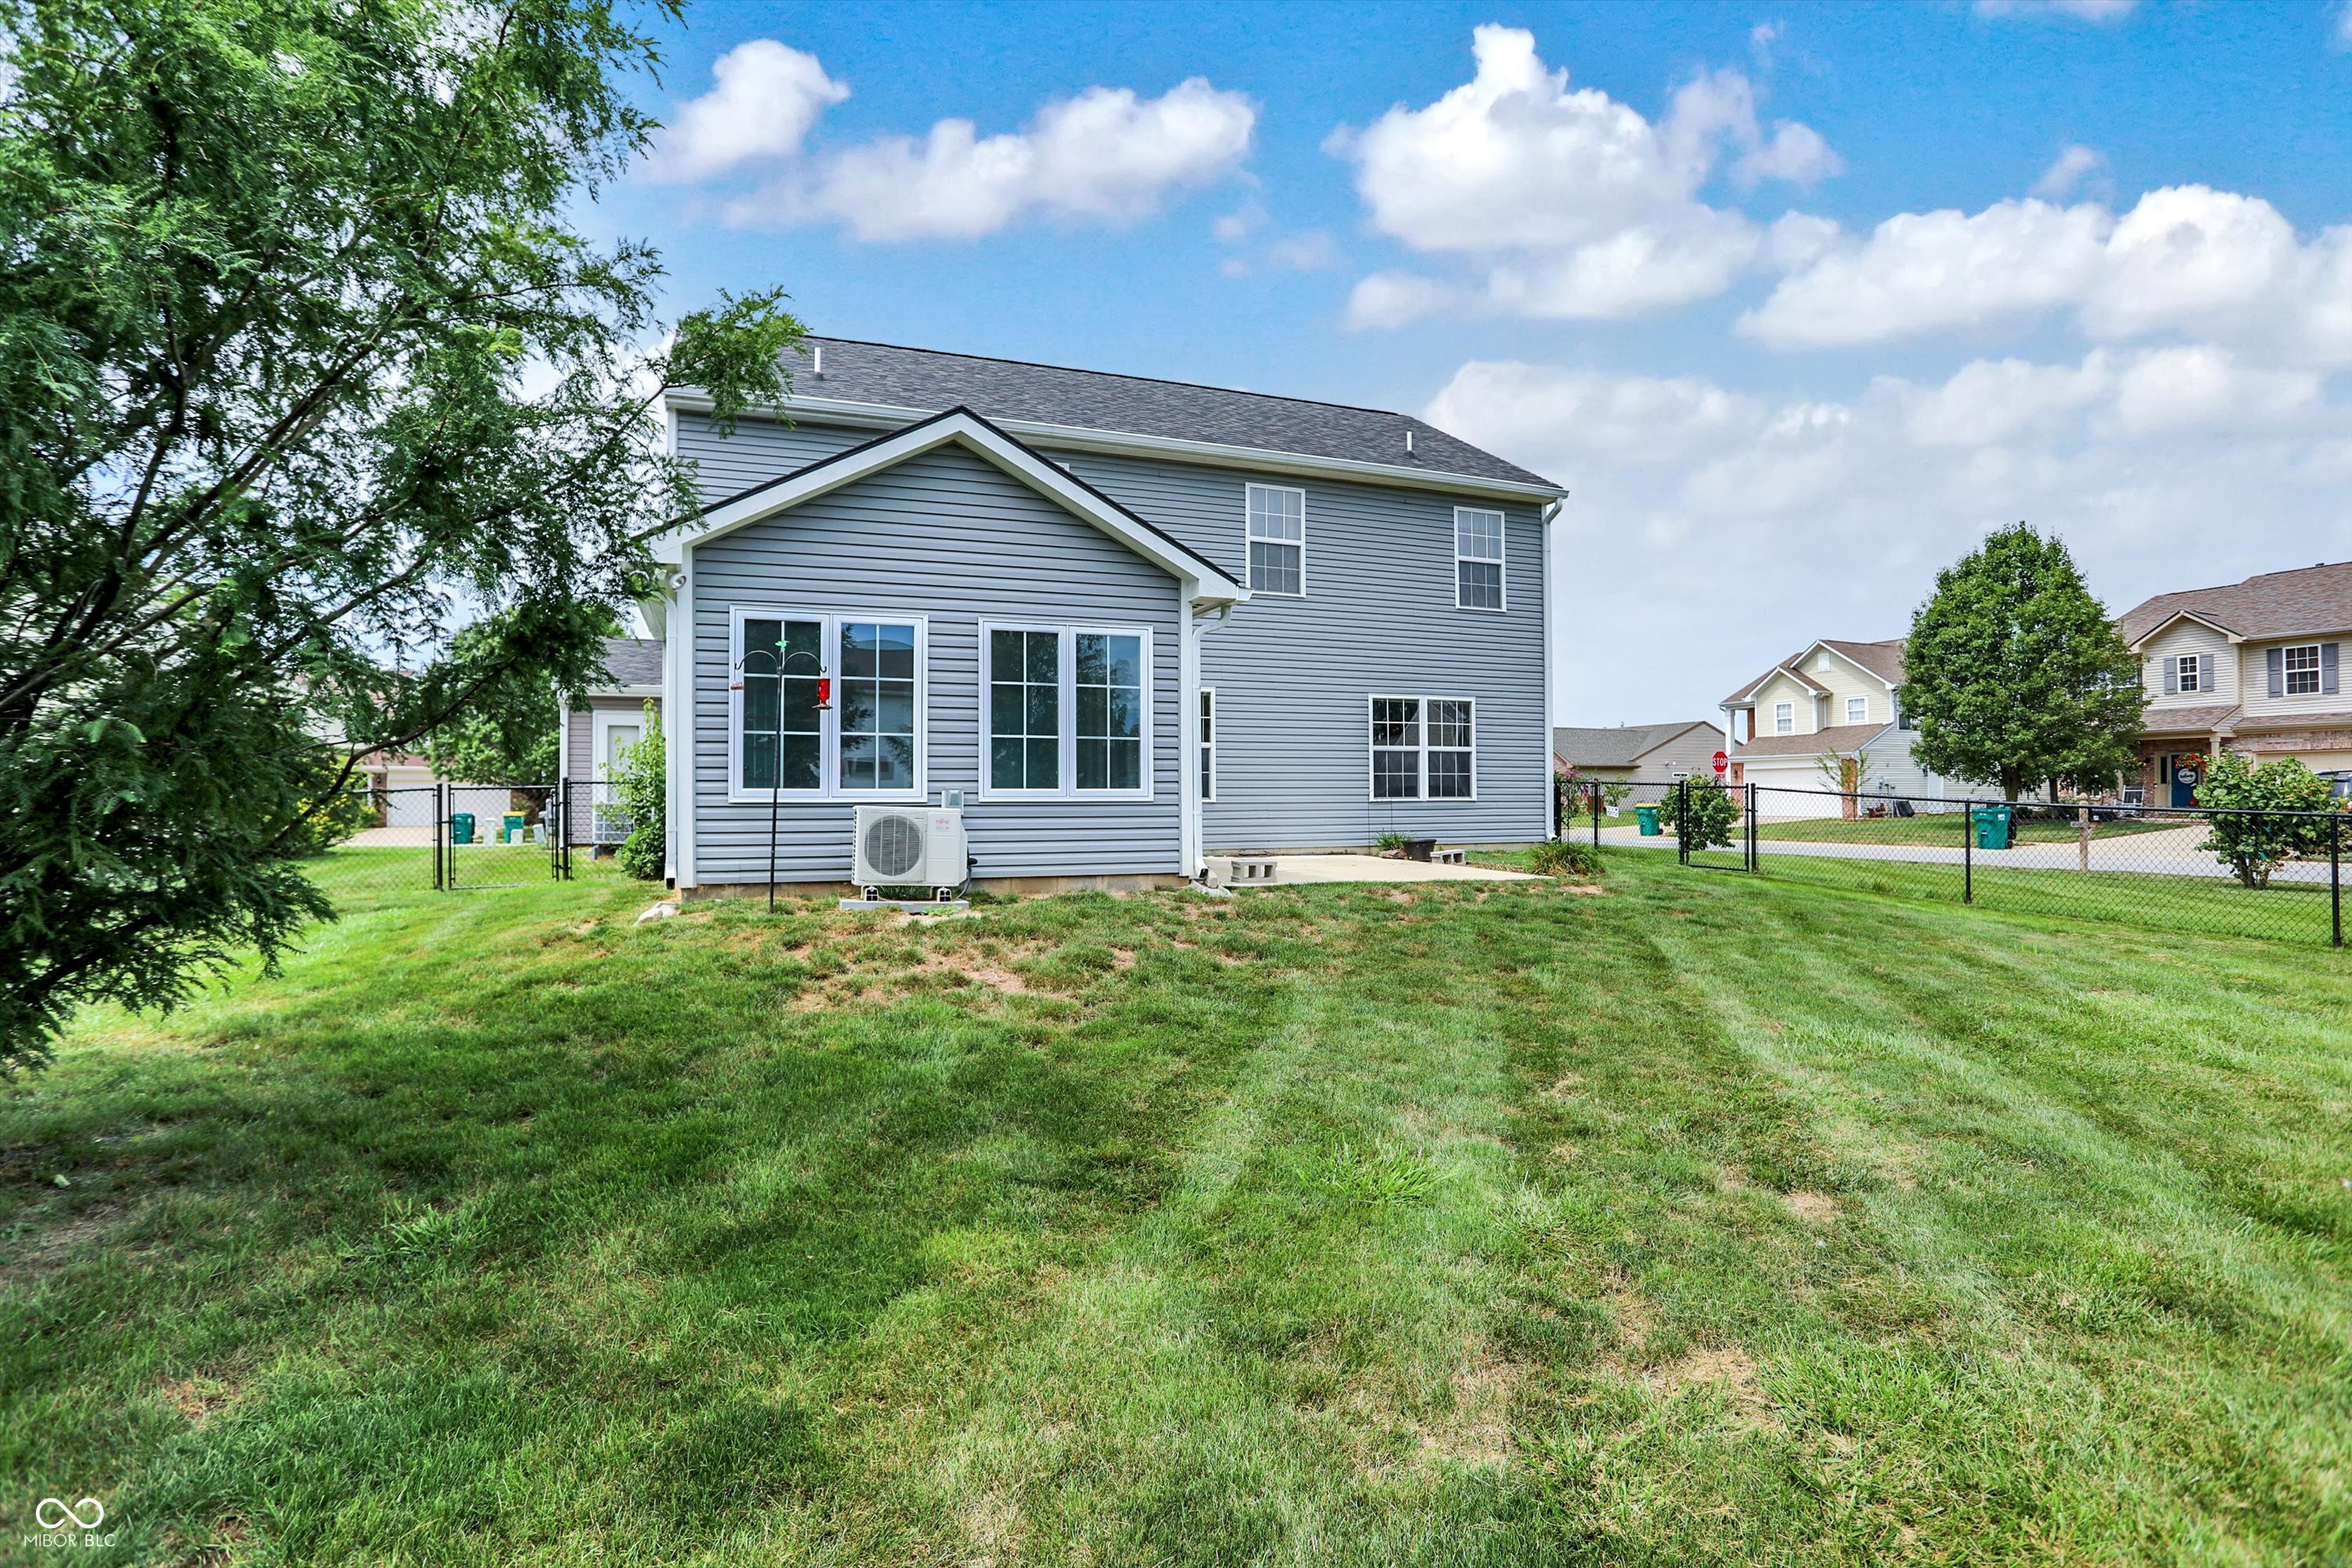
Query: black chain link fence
point(418, 842)
point(2275, 874)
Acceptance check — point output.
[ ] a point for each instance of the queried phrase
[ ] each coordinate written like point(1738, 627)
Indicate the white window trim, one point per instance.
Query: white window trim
point(1249, 539)
point(1208, 744)
point(1068, 740)
point(1849, 701)
point(1500, 562)
point(2319, 670)
point(2180, 664)
point(601, 722)
point(1784, 711)
point(829, 721)
point(1421, 750)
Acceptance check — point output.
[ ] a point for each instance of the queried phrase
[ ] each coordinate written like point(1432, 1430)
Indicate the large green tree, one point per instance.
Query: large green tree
point(303, 368)
point(2014, 674)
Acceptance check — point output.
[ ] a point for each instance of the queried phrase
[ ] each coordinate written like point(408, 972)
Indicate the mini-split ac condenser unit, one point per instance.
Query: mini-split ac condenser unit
point(909, 847)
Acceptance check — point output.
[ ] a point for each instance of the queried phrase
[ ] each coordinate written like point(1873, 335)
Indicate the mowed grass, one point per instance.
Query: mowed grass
point(1702, 1219)
point(1946, 829)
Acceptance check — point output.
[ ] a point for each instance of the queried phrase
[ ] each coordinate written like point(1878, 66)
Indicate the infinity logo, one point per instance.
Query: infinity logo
point(53, 1514)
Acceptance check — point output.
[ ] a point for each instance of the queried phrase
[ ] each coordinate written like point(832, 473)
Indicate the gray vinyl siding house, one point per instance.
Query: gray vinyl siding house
point(952, 496)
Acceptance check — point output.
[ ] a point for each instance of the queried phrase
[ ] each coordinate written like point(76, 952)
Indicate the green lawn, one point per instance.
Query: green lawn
point(1702, 1219)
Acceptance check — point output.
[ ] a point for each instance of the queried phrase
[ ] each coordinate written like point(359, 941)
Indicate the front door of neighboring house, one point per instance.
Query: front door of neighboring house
point(2184, 770)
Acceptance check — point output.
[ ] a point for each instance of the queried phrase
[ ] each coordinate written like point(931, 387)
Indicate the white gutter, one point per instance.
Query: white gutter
point(1084, 438)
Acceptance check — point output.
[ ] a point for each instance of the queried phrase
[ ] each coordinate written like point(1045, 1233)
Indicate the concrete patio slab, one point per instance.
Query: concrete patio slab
point(1296, 870)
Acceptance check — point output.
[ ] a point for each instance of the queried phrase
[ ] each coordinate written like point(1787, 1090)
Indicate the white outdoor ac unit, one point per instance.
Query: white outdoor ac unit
point(910, 845)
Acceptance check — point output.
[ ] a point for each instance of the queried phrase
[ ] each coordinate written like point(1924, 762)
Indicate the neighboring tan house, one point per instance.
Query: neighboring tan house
point(2252, 666)
point(1832, 699)
point(1122, 622)
point(1637, 754)
point(599, 724)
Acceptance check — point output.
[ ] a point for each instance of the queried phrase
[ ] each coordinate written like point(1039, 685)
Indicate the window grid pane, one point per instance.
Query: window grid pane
point(1396, 748)
point(877, 705)
point(1478, 535)
point(2302, 670)
point(1026, 697)
point(1208, 745)
point(1277, 536)
point(1109, 690)
point(1449, 766)
point(1478, 584)
point(1275, 568)
point(782, 661)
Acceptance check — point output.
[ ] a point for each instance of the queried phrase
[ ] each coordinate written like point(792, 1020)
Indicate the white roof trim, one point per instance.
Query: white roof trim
point(620, 691)
point(1200, 579)
point(2176, 616)
point(884, 416)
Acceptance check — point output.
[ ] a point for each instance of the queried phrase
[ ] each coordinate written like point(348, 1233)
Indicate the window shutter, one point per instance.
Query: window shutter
point(2327, 667)
point(2276, 660)
point(2171, 677)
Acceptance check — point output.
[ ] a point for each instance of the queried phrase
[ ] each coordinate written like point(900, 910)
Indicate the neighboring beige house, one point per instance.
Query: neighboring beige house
point(2252, 666)
point(1637, 754)
point(1832, 699)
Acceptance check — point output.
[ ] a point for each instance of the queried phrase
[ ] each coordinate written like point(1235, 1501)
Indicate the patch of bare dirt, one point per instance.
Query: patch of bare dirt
point(1726, 1367)
point(50, 1245)
point(198, 1399)
point(1477, 1429)
point(1813, 1208)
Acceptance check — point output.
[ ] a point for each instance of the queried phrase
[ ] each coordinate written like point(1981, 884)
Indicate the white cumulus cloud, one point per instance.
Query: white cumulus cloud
point(2074, 167)
point(1564, 201)
point(1106, 155)
point(766, 99)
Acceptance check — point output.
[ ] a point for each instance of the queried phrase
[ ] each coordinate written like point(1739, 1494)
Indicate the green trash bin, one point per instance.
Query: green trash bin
point(1993, 825)
point(511, 831)
point(1648, 816)
point(461, 827)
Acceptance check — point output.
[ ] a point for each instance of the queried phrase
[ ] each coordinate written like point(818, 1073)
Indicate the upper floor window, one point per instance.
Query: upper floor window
point(2193, 675)
point(1478, 559)
point(1857, 710)
point(1784, 718)
point(1277, 539)
point(2302, 670)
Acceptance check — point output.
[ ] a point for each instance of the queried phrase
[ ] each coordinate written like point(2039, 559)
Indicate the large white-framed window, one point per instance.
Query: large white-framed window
point(1478, 559)
point(1208, 743)
point(824, 705)
point(1424, 748)
point(1857, 710)
point(1276, 540)
point(1068, 712)
point(1784, 718)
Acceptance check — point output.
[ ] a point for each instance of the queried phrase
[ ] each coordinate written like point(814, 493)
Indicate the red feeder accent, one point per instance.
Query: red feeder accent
point(824, 691)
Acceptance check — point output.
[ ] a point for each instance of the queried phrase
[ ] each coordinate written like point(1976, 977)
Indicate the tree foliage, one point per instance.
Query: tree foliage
point(2014, 674)
point(1703, 813)
point(507, 735)
point(640, 789)
point(302, 368)
point(2255, 845)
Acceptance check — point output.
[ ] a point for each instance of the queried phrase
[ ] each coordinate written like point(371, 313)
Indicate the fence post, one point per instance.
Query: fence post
point(1755, 856)
point(1967, 853)
point(2336, 880)
point(1592, 794)
point(440, 827)
point(1682, 819)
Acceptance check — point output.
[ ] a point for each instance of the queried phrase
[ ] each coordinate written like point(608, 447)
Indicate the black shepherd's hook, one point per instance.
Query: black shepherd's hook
point(776, 767)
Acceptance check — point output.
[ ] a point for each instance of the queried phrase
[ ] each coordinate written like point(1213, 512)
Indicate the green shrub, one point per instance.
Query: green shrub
point(1565, 858)
point(1388, 841)
point(639, 789)
point(1702, 814)
point(2254, 847)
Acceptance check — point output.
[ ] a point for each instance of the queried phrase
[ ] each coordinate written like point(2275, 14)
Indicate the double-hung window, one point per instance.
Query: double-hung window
point(1857, 710)
point(1784, 718)
point(2300, 667)
point(826, 705)
point(2192, 672)
point(1208, 743)
point(1424, 748)
point(1478, 559)
point(1277, 539)
point(1068, 711)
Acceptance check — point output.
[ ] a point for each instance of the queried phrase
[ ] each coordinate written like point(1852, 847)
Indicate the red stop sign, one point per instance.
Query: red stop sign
point(1721, 761)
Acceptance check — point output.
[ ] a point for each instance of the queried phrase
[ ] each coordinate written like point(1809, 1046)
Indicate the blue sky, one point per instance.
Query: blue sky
point(1798, 300)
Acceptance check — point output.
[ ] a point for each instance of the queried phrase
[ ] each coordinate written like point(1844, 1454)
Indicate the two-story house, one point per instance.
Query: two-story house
point(1126, 621)
point(1826, 726)
point(2252, 666)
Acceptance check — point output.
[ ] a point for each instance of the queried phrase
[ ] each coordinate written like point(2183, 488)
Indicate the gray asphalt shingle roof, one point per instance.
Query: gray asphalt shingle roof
point(634, 661)
point(1838, 738)
point(2274, 605)
point(931, 380)
point(1616, 746)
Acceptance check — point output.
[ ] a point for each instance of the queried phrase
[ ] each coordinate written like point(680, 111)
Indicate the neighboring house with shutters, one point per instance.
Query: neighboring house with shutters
point(1637, 754)
point(2254, 666)
point(1126, 622)
point(1833, 705)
